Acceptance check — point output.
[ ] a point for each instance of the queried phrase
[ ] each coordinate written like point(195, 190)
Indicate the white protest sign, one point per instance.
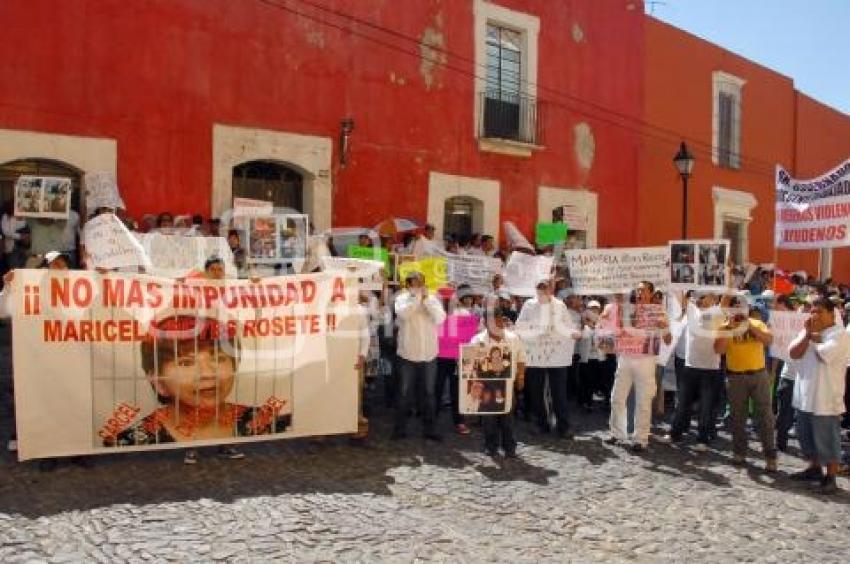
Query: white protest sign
point(109, 244)
point(102, 191)
point(617, 271)
point(368, 271)
point(177, 256)
point(699, 264)
point(524, 271)
point(785, 326)
point(476, 271)
point(813, 214)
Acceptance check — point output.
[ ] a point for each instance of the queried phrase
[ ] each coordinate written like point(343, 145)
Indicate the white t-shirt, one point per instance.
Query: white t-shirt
point(819, 387)
point(700, 337)
point(418, 321)
point(547, 331)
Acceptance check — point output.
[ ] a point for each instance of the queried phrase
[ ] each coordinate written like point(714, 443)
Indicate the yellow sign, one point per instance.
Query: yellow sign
point(432, 268)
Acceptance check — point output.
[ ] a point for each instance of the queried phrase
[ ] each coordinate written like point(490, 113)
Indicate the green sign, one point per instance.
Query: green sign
point(370, 253)
point(551, 233)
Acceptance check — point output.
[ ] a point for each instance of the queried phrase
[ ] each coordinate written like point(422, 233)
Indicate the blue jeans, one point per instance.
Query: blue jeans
point(820, 437)
point(416, 375)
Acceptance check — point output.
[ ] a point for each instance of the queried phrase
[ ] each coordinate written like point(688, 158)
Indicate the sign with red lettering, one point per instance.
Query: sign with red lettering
point(117, 362)
point(813, 214)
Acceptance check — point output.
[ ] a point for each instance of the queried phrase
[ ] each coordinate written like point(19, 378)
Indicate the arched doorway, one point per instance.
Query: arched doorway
point(11, 171)
point(269, 181)
point(462, 217)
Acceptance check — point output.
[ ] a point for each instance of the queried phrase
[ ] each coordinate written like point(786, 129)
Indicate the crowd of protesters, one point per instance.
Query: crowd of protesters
point(721, 360)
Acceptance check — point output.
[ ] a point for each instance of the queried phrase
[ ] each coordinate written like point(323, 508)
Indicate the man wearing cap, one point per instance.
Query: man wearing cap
point(419, 315)
point(744, 341)
point(549, 335)
point(821, 352)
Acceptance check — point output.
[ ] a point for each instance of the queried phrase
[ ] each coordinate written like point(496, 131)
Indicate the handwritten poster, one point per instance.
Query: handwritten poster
point(617, 271)
point(523, 272)
point(102, 191)
point(785, 326)
point(476, 271)
point(109, 244)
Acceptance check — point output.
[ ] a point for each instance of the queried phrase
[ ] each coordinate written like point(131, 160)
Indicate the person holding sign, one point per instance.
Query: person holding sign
point(419, 316)
point(636, 366)
point(549, 334)
point(821, 352)
point(499, 429)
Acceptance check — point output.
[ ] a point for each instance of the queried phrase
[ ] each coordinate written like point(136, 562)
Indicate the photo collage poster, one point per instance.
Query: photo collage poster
point(486, 379)
point(700, 264)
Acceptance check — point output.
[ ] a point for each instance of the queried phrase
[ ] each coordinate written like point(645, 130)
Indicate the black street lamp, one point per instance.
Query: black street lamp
point(684, 162)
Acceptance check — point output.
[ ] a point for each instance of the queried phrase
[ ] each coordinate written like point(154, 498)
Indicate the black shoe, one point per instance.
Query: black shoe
point(511, 454)
point(612, 441)
point(566, 435)
point(827, 485)
point(810, 474)
point(491, 452)
point(637, 448)
point(398, 435)
point(432, 436)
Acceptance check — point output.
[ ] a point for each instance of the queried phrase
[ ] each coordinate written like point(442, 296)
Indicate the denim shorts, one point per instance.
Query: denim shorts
point(820, 437)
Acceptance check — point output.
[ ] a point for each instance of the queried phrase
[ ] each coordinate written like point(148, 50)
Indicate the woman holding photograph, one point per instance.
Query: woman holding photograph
point(192, 365)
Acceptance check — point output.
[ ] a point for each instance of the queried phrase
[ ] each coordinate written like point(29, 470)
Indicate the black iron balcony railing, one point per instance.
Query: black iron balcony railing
point(509, 116)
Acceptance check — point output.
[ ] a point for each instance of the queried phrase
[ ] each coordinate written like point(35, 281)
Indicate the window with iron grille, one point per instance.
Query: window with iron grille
point(727, 116)
point(503, 101)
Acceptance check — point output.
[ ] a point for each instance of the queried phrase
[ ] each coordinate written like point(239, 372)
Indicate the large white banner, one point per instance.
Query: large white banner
point(813, 214)
point(117, 363)
point(785, 326)
point(617, 271)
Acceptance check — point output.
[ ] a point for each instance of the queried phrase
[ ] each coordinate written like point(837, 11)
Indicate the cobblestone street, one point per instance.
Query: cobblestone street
point(410, 500)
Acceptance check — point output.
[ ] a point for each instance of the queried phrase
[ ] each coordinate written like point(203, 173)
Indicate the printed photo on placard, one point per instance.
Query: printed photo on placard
point(188, 382)
point(487, 376)
point(43, 196)
point(262, 238)
point(486, 397)
point(699, 264)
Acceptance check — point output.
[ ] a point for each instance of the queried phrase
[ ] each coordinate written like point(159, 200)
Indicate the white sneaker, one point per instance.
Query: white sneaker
point(12, 445)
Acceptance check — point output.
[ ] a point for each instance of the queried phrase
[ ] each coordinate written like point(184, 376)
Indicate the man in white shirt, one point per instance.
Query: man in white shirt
point(702, 370)
point(636, 369)
point(549, 334)
point(821, 352)
point(425, 245)
point(419, 315)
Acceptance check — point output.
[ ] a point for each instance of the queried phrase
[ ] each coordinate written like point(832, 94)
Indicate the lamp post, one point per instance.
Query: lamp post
point(684, 162)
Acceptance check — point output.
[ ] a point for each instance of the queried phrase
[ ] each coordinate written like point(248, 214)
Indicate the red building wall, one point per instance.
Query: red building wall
point(778, 126)
point(156, 76)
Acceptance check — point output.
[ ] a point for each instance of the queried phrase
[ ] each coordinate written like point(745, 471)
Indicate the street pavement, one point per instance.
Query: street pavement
point(406, 501)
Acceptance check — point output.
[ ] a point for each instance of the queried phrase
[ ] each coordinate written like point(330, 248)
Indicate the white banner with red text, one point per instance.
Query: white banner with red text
point(117, 363)
point(813, 214)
